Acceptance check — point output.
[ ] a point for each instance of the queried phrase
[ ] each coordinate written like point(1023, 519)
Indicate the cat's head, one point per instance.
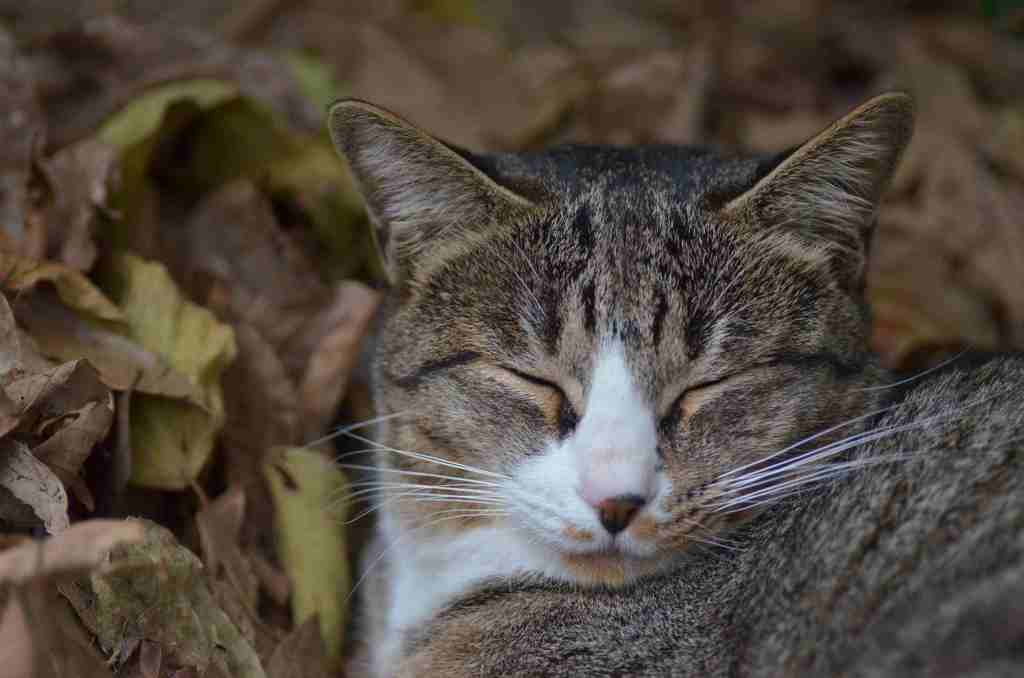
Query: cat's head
point(608, 350)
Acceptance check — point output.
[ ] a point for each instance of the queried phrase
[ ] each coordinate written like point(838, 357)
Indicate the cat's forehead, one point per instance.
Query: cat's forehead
point(678, 174)
point(629, 248)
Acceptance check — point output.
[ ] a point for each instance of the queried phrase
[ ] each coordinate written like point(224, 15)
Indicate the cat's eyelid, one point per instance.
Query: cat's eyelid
point(796, 359)
point(532, 378)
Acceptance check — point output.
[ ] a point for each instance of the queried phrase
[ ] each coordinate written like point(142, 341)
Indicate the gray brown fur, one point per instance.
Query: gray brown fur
point(737, 281)
point(903, 570)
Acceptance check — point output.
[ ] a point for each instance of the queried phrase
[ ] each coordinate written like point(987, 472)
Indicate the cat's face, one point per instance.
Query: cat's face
point(591, 348)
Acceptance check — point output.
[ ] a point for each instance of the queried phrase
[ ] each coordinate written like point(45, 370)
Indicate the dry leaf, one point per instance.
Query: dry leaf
point(78, 549)
point(338, 333)
point(50, 641)
point(28, 481)
point(61, 411)
point(78, 177)
point(22, 132)
point(63, 333)
point(301, 654)
point(172, 440)
point(75, 290)
point(311, 538)
point(135, 59)
point(156, 590)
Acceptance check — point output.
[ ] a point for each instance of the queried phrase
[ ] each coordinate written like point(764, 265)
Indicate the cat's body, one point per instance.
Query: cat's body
point(910, 569)
point(597, 363)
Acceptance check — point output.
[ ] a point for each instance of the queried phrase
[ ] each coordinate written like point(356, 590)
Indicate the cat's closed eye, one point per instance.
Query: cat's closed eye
point(696, 396)
point(552, 398)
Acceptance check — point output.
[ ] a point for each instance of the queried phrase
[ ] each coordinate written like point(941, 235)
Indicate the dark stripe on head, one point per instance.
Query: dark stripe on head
point(426, 369)
point(660, 311)
point(698, 332)
point(588, 300)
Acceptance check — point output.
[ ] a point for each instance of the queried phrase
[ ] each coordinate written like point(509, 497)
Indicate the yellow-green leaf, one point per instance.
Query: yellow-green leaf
point(305, 486)
point(73, 288)
point(315, 77)
point(143, 116)
point(171, 440)
point(242, 139)
point(135, 131)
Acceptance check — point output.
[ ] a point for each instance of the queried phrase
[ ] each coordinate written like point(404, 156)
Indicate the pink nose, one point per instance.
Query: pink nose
point(615, 513)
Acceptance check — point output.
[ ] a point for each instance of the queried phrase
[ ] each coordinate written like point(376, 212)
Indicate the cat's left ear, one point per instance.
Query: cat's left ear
point(827, 191)
point(419, 192)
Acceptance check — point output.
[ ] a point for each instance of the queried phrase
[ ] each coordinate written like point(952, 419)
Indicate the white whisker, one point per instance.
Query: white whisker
point(917, 376)
point(808, 439)
point(353, 427)
point(420, 474)
point(429, 458)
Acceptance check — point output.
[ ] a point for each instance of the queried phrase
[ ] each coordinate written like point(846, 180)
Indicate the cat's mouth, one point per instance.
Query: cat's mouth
point(610, 567)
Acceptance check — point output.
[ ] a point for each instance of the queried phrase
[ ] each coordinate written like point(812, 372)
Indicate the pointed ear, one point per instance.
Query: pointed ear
point(828, 190)
point(419, 192)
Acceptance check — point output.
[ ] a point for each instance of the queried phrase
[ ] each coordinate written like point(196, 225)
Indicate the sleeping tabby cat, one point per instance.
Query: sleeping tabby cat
point(630, 424)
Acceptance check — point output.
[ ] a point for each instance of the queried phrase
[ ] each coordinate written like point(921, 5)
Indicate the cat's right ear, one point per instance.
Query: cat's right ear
point(419, 192)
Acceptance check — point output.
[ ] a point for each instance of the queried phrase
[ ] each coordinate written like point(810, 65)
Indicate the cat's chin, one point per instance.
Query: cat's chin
point(609, 568)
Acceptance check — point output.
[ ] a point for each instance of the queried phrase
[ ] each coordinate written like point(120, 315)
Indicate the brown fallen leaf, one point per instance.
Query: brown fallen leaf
point(136, 57)
point(22, 133)
point(337, 333)
point(41, 637)
point(81, 548)
point(79, 178)
point(658, 96)
point(62, 411)
point(234, 582)
point(237, 260)
point(301, 654)
point(27, 482)
point(62, 332)
point(18, 274)
point(262, 405)
point(157, 590)
point(68, 448)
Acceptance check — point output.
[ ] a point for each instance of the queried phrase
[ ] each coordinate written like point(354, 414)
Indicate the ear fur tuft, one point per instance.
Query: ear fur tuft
point(829, 189)
point(417, 190)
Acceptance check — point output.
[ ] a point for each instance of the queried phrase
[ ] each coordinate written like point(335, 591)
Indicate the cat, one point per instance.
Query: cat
point(630, 424)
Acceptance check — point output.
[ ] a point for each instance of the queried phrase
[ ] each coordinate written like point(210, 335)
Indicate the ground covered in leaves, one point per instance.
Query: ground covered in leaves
point(186, 274)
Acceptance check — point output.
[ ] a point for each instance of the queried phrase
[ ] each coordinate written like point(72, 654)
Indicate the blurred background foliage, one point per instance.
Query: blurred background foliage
point(188, 279)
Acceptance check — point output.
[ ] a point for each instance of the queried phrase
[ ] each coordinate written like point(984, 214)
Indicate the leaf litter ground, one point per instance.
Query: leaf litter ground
point(187, 277)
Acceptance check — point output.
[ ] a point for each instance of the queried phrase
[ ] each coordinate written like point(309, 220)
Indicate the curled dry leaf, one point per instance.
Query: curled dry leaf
point(156, 590)
point(307, 489)
point(232, 575)
point(171, 439)
point(252, 270)
point(79, 549)
point(301, 654)
point(61, 332)
point(62, 411)
point(41, 637)
point(301, 173)
point(27, 482)
point(74, 289)
point(137, 58)
point(337, 333)
point(79, 178)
